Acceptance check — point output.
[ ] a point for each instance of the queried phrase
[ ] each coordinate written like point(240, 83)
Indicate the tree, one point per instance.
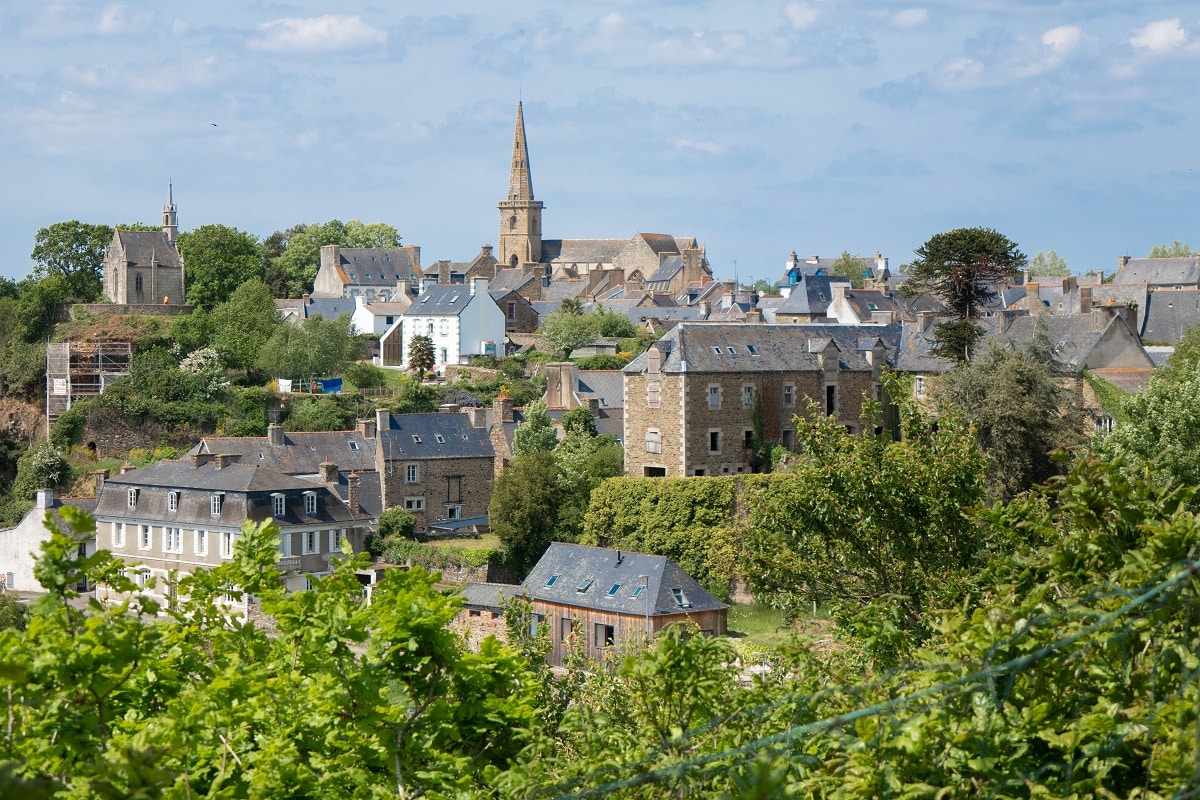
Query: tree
point(571, 305)
point(536, 432)
point(524, 505)
point(1048, 265)
point(567, 332)
point(764, 288)
point(850, 266)
point(962, 268)
point(217, 260)
point(39, 304)
point(1018, 412)
point(420, 355)
point(316, 347)
point(1176, 249)
point(74, 251)
point(585, 460)
point(243, 324)
point(295, 268)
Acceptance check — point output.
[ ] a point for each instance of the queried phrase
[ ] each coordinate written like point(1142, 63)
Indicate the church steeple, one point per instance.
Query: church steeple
point(520, 215)
point(520, 185)
point(170, 222)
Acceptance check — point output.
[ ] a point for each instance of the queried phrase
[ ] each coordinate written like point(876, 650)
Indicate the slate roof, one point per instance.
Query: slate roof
point(862, 300)
point(440, 300)
point(581, 251)
point(142, 247)
point(488, 595)
point(1161, 271)
point(667, 270)
point(606, 384)
point(1167, 315)
point(811, 295)
point(376, 266)
point(510, 279)
point(300, 453)
point(329, 307)
point(778, 347)
point(600, 569)
point(247, 489)
point(562, 290)
point(412, 437)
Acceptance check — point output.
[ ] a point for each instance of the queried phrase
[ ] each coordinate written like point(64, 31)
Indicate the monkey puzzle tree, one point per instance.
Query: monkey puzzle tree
point(962, 268)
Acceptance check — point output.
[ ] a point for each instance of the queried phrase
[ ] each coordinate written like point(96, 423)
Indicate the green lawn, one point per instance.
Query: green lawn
point(486, 541)
point(765, 626)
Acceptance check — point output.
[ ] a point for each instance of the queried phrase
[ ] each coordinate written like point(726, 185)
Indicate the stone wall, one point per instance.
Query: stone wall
point(147, 309)
point(438, 484)
point(473, 374)
point(112, 437)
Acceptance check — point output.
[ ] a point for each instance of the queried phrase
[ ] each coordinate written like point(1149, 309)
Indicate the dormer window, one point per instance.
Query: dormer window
point(310, 503)
point(132, 498)
point(680, 598)
point(416, 439)
point(172, 501)
point(279, 504)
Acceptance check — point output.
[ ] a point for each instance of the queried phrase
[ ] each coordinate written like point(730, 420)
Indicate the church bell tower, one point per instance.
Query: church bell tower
point(520, 214)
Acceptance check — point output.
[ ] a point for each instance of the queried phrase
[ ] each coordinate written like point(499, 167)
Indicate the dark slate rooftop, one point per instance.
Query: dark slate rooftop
point(1167, 315)
point(581, 251)
point(1160, 271)
point(606, 384)
point(377, 266)
point(329, 307)
point(667, 270)
point(811, 295)
point(488, 595)
point(300, 453)
point(562, 290)
point(142, 247)
point(440, 300)
point(706, 346)
point(429, 436)
point(586, 577)
point(510, 279)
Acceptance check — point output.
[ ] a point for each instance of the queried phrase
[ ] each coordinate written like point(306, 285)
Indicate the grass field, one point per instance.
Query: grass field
point(766, 626)
point(486, 541)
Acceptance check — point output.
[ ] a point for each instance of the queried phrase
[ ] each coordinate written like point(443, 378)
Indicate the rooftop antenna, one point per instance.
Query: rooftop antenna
point(736, 285)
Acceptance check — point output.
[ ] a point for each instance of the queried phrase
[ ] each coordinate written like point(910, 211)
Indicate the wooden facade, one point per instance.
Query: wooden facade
point(601, 633)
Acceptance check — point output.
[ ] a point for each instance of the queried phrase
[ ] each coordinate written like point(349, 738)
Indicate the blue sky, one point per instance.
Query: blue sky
point(758, 127)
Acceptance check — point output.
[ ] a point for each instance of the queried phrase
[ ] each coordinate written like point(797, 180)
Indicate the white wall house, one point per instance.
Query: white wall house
point(20, 546)
point(461, 319)
point(377, 317)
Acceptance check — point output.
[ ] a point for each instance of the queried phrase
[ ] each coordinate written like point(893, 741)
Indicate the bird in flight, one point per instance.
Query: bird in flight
point(213, 124)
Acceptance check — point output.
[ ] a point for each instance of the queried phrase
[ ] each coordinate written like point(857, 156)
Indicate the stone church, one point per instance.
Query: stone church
point(145, 267)
point(653, 262)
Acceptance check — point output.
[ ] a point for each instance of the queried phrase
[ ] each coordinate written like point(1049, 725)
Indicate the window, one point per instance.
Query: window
point(680, 598)
point(653, 394)
point(616, 587)
point(308, 583)
point(637, 590)
point(732, 352)
point(172, 501)
point(748, 437)
point(789, 394)
point(512, 310)
point(200, 542)
point(132, 502)
point(919, 386)
point(137, 284)
point(553, 580)
point(226, 544)
point(312, 542)
point(430, 324)
point(717, 351)
point(414, 504)
point(714, 441)
point(606, 635)
point(144, 537)
point(753, 350)
point(285, 544)
point(474, 612)
point(714, 397)
point(214, 505)
point(353, 445)
point(444, 358)
point(831, 400)
point(535, 620)
point(439, 438)
point(279, 503)
point(583, 585)
point(699, 473)
point(336, 538)
point(453, 512)
point(653, 441)
point(412, 473)
point(118, 534)
point(310, 503)
point(566, 628)
point(141, 577)
point(789, 439)
point(173, 540)
point(416, 437)
point(747, 396)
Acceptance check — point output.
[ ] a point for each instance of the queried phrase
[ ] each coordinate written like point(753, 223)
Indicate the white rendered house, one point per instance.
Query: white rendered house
point(461, 319)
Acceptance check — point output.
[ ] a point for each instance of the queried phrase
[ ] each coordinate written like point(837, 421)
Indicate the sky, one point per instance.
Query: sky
point(760, 128)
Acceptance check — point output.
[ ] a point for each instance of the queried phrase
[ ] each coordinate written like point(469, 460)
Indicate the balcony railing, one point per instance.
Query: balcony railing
point(289, 563)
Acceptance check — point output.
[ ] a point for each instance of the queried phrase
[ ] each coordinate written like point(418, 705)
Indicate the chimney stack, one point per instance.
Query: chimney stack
point(1085, 299)
point(1122, 261)
point(383, 421)
point(198, 460)
point(924, 321)
point(127, 468)
point(502, 409)
point(754, 316)
point(366, 427)
point(222, 460)
point(352, 481)
point(275, 435)
point(329, 471)
point(100, 475)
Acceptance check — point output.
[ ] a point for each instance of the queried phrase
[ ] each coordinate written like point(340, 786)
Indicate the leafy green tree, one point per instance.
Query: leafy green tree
point(13, 613)
point(243, 324)
point(584, 461)
point(318, 413)
point(1048, 265)
point(316, 347)
point(1176, 249)
point(1019, 414)
point(365, 375)
point(421, 357)
point(962, 267)
point(536, 432)
point(612, 325)
point(38, 307)
point(43, 467)
point(296, 266)
point(765, 288)
point(851, 267)
point(567, 331)
point(524, 505)
point(876, 528)
point(217, 260)
point(571, 305)
point(193, 331)
point(396, 522)
point(73, 251)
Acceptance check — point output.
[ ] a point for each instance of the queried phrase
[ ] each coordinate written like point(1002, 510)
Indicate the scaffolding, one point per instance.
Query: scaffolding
point(81, 369)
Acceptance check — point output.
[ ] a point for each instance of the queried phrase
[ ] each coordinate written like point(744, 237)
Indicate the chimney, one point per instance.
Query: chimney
point(275, 435)
point(502, 409)
point(1026, 276)
point(1122, 261)
point(366, 427)
point(838, 291)
point(814, 259)
point(305, 298)
point(924, 321)
point(100, 476)
point(329, 471)
point(478, 416)
point(45, 500)
point(729, 287)
point(1100, 317)
point(222, 460)
point(198, 460)
point(881, 317)
point(383, 420)
point(705, 308)
point(1099, 277)
point(1070, 284)
point(449, 408)
point(126, 468)
point(352, 481)
point(593, 405)
point(754, 316)
point(485, 251)
point(1085, 299)
point(404, 288)
point(1033, 295)
point(479, 286)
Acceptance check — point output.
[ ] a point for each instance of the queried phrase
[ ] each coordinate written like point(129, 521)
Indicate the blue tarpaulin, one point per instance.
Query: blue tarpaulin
point(330, 385)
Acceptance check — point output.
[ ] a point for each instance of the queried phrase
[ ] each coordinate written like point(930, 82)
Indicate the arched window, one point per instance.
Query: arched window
point(512, 262)
point(137, 283)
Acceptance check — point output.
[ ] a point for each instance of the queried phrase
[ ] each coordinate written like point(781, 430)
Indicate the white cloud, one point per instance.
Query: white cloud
point(801, 15)
point(910, 18)
point(961, 71)
point(1160, 36)
point(1063, 39)
point(704, 147)
point(317, 34)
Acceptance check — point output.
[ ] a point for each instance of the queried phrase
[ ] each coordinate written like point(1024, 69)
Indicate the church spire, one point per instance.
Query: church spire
point(520, 185)
point(170, 221)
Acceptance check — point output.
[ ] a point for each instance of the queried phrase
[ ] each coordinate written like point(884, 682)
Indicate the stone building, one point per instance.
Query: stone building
point(145, 267)
point(702, 394)
point(372, 273)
